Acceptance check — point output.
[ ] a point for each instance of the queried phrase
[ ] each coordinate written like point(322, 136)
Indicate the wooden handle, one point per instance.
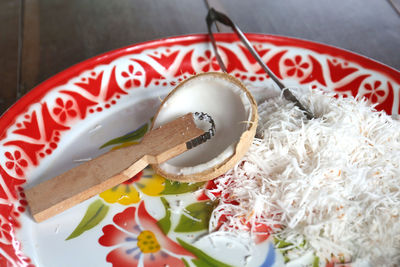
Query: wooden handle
point(112, 168)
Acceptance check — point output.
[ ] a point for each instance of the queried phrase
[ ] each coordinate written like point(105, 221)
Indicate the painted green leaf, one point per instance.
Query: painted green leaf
point(175, 188)
point(185, 262)
point(93, 216)
point(198, 217)
point(129, 137)
point(283, 245)
point(315, 262)
point(165, 222)
point(286, 259)
point(279, 243)
point(202, 258)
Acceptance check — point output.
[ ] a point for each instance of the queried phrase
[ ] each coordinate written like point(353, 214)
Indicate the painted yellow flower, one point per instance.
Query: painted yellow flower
point(128, 192)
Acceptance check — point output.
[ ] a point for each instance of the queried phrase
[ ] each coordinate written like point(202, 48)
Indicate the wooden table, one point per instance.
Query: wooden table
point(39, 38)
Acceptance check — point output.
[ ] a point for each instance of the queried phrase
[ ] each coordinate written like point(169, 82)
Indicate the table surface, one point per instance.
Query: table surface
point(39, 38)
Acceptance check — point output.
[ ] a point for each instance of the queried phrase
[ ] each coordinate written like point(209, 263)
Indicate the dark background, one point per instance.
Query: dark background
point(39, 38)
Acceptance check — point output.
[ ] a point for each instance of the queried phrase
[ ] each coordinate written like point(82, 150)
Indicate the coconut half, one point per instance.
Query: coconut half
point(234, 111)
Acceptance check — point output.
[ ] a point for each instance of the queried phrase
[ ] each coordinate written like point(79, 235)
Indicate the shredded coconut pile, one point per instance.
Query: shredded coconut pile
point(333, 182)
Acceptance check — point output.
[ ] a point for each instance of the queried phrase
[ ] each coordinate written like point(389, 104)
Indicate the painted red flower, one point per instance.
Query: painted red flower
point(11, 254)
point(210, 191)
point(5, 230)
point(341, 261)
point(133, 77)
point(208, 62)
point(374, 91)
point(296, 67)
point(261, 232)
point(16, 162)
point(136, 238)
point(64, 110)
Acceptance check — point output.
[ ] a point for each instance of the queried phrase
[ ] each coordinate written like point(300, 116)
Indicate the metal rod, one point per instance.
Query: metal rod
point(208, 6)
point(214, 16)
point(395, 6)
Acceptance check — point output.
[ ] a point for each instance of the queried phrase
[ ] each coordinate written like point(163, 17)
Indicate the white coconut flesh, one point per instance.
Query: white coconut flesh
point(234, 112)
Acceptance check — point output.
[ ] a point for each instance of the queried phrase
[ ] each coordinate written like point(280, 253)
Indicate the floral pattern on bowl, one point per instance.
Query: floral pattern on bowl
point(96, 105)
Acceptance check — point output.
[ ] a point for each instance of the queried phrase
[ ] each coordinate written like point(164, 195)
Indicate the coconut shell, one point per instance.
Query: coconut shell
point(241, 147)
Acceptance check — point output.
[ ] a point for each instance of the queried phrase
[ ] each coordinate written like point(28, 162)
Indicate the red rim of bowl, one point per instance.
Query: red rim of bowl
point(62, 77)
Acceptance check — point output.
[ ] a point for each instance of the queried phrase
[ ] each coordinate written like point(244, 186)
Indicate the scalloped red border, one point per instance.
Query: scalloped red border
point(37, 93)
point(40, 90)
